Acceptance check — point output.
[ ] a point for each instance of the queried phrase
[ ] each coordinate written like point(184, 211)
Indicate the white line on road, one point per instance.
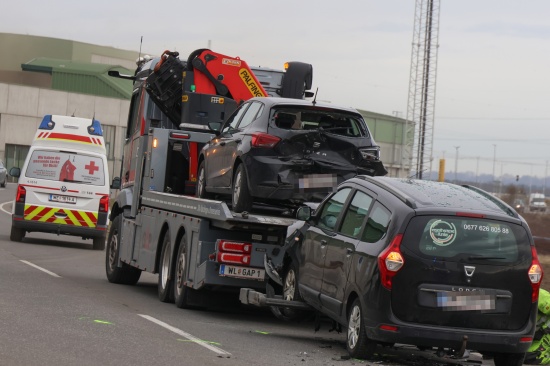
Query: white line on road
point(192, 338)
point(3, 209)
point(40, 268)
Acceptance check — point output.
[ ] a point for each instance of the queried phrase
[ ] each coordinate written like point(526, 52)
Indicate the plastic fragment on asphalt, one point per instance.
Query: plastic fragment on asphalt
point(201, 341)
point(259, 331)
point(102, 322)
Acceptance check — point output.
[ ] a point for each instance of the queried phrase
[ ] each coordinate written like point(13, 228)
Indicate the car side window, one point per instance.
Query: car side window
point(355, 214)
point(377, 224)
point(231, 123)
point(252, 113)
point(332, 208)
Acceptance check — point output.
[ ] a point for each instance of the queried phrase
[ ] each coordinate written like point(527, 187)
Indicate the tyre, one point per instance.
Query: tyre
point(181, 291)
point(17, 234)
point(241, 198)
point(509, 359)
point(99, 243)
point(4, 183)
point(357, 343)
point(125, 274)
point(165, 285)
point(201, 183)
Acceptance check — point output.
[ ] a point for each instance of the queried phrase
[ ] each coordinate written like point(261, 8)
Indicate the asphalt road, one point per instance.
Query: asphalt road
point(57, 308)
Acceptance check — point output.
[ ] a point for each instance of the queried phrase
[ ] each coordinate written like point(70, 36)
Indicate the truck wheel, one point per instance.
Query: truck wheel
point(201, 183)
point(125, 274)
point(358, 345)
point(181, 291)
point(17, 234)
point(509, 359)
point(99, 243)
point(241, 198)
point(165, 285)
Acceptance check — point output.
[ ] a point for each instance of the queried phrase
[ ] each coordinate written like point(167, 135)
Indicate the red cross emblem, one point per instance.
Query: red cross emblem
point(91, 167)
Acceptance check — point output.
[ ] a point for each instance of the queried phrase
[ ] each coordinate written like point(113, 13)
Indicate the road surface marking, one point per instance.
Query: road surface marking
point(40, 268)
point(3, 209)
point(190, 337)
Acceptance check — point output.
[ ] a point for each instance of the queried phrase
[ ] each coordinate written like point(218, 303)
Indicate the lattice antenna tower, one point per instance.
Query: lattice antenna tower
point(418, 137)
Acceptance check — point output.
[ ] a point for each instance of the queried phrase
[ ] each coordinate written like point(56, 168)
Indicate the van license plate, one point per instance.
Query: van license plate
point(242, 272)
point(62, 199)
point(461, 301)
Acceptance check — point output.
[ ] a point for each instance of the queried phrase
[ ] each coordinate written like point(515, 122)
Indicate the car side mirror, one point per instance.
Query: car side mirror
point(15, 172)
point(115, 184)
point(303, 213)
point(215, 127)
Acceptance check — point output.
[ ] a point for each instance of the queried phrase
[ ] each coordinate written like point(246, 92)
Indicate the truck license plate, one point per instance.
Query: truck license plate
point(63, 199)
point(242, 272)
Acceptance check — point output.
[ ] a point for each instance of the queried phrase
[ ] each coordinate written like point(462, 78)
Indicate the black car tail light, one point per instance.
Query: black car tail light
point(104, 204)
point(233, 252)
point(390, 261)
point(535, 274)
point(21, 194)
point(264, 140)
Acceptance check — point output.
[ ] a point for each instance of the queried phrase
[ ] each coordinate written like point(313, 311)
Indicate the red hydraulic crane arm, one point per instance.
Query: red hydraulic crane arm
point(224, 75)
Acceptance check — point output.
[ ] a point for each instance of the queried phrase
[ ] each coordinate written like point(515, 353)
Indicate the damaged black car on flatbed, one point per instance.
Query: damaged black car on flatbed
point(279, 150)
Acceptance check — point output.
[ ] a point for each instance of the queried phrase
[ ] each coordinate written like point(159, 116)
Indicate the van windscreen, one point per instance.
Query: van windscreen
point(459, 239)
point(66, 167)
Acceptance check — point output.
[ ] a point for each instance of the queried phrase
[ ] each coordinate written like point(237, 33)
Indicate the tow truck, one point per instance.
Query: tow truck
point(198, 247)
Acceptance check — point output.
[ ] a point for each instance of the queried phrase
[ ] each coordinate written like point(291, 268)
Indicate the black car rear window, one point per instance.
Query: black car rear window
point(330, 121)
point(467, 239)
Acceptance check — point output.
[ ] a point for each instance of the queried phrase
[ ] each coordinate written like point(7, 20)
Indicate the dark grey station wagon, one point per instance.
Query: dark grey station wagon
point(419, 262)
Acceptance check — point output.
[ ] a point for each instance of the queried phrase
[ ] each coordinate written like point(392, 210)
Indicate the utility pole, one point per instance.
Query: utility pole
point(494, 164)
point(456, 161)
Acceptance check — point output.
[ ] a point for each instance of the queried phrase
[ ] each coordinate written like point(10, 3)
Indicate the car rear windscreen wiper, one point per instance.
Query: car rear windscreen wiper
point(76, 181)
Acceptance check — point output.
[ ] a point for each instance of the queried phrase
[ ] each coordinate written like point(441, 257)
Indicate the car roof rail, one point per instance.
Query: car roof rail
point(505, 207)
point(396, 192)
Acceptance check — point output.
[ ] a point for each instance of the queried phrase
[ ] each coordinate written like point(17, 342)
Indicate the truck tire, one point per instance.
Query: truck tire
point(241, 198)
point(165, 283)
point(201, 183)
point(125, 274)
point(17, 234)
point(99, 243)
point(357, 343)
point(181, 291)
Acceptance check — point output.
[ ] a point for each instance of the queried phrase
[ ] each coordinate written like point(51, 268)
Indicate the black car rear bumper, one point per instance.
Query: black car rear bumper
point(482, 340)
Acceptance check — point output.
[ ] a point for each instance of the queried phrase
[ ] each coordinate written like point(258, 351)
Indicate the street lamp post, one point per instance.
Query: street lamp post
point(494, 165)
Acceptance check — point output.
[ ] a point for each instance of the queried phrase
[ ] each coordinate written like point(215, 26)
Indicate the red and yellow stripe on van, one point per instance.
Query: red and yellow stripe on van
point(57, 136)
point(61, 216)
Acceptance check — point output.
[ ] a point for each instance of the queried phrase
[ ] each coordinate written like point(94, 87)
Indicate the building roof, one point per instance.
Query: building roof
point(83, 77)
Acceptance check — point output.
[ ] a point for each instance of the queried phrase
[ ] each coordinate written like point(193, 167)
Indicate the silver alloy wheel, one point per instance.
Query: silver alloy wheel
point(165, 267)
point(289, 285)
point(113, 248)
point(237, 187)
point(180, 269)
point(354, 327)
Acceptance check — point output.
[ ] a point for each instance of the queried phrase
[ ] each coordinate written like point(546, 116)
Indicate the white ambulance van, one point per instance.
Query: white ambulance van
point(63, 187)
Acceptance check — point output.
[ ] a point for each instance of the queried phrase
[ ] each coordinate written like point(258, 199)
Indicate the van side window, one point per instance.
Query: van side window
point(332, 208)
point(355, 214)
point(377, 224)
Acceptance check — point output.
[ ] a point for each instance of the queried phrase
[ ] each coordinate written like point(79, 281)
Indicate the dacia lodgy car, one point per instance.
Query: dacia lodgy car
point(419, 262)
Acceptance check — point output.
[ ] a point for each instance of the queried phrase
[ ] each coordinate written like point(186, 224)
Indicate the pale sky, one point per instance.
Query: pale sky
point(493, 78)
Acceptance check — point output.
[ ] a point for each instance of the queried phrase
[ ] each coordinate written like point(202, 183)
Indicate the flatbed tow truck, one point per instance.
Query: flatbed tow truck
point(198, 247)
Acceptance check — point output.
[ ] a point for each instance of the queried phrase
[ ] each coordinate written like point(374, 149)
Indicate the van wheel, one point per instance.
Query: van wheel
point(17, 234)
point(509, 359)
point(201, 183)
point(241, 198)
point(99, 243)
point(125, 274)
point(165, 285)
point(181, 291)
point(358, 345)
